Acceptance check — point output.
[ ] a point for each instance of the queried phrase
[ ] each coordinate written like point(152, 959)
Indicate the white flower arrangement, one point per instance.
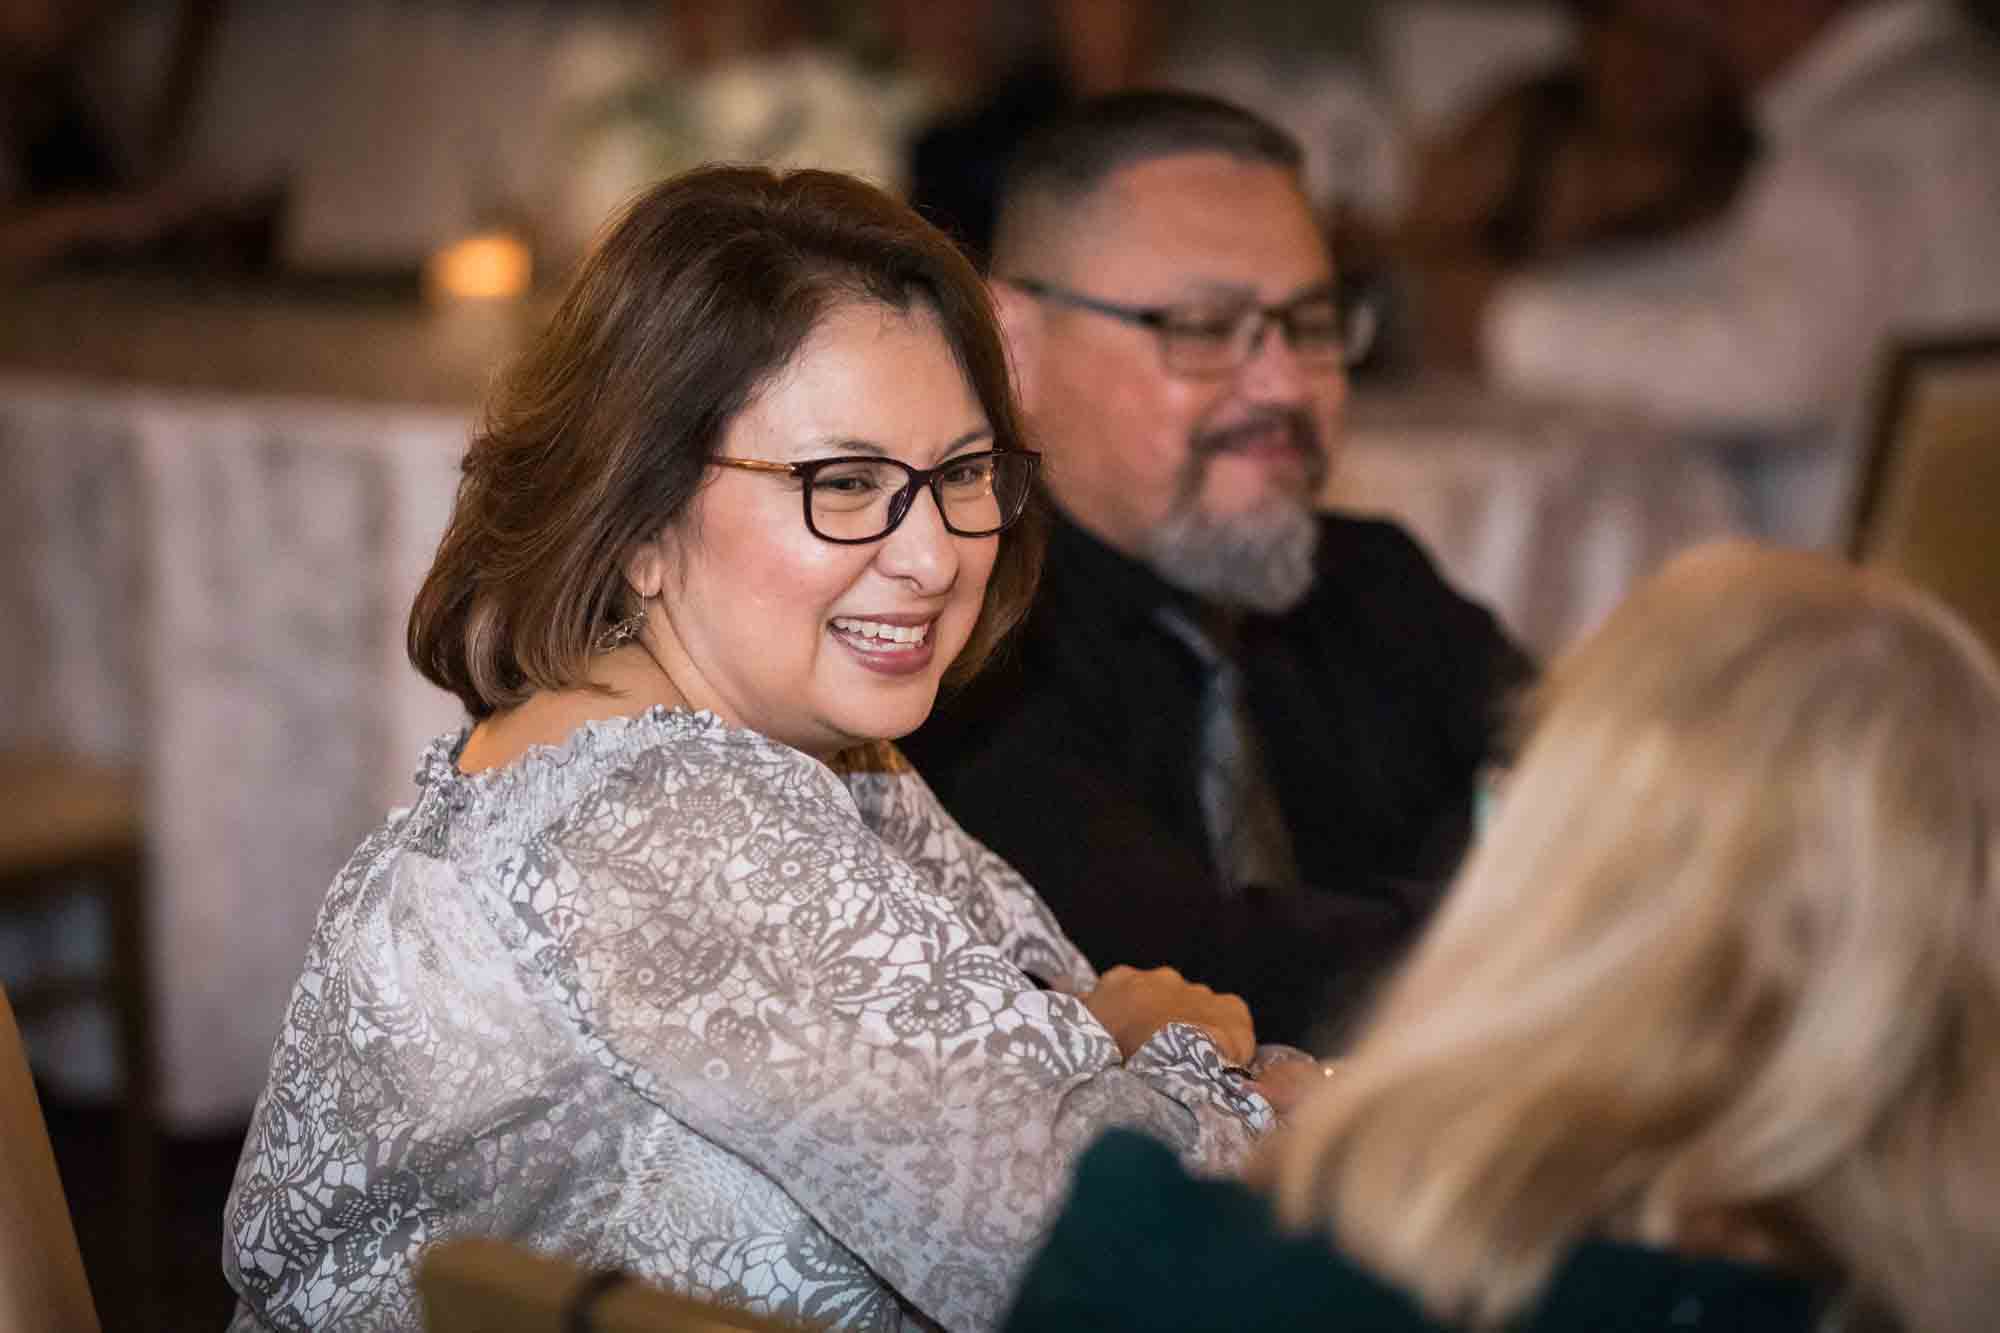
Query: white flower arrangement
point(802, 108)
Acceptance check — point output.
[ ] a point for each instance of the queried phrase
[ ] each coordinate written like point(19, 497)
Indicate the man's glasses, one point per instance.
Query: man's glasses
point(1324, 329)
point(862, 499)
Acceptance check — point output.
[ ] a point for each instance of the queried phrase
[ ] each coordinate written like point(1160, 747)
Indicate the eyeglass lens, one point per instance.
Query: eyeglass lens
point(861, 499)
point(1321, 333)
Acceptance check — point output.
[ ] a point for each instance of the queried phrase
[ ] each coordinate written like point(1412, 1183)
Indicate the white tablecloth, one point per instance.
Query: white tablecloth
point(214, 589)
point(1546, 513)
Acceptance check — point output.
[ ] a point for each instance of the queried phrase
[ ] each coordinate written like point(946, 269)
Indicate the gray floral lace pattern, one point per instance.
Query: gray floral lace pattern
point(675, 997)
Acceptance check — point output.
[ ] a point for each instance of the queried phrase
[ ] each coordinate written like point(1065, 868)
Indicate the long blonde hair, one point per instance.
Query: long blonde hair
point(1730, 950)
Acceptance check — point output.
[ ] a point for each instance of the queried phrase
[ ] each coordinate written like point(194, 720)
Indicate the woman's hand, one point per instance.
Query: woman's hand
point(1133, 1005)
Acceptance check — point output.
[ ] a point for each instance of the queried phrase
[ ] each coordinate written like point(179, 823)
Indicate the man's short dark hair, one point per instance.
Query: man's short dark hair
point(1070, 157)
point(1073, 154)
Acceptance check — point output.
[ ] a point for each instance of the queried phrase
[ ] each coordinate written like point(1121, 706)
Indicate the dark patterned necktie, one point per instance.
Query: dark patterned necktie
point(1246, 828)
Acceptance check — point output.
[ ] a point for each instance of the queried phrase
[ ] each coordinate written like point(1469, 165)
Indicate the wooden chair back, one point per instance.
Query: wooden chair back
point(480, 1285)
point(1928, 507)
point(71, 826)
point(42, 1285)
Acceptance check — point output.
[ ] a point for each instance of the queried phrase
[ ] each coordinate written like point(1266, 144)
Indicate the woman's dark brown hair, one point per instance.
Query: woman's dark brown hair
point(598, 437)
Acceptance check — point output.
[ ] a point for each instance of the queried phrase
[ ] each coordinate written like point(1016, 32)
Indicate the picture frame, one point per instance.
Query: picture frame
point(1928, 504)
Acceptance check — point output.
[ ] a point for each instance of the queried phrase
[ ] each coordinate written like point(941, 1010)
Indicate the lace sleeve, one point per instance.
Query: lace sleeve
point(743, 950)
point(1002, 907)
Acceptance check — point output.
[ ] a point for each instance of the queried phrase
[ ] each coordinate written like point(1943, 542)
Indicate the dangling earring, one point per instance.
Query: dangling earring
point(623, 631)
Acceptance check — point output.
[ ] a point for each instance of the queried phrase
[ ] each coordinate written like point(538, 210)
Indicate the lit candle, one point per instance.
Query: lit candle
point(486, 266)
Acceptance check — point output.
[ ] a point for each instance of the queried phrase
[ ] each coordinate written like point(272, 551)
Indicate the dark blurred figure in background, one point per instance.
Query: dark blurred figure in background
point(705, 36)
point(69, 191)
point(999, 71)
point(1871, 214)
point(1640, 137)
point(1236, 737)
point(63, 186)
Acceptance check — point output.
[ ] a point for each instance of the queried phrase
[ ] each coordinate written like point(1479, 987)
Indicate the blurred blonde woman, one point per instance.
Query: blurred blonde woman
point(1706, 1035)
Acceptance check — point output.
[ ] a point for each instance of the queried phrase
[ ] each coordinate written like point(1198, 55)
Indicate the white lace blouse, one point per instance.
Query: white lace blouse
point(678, 998)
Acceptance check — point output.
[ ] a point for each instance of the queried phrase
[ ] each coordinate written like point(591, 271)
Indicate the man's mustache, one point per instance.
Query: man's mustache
point(1301, 434)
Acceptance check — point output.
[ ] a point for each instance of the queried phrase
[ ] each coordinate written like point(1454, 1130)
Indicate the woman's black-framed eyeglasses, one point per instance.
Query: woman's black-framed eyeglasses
point(862, 498)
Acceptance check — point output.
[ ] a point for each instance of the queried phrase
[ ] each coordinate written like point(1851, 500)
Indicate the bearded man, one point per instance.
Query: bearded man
point(1236, 737)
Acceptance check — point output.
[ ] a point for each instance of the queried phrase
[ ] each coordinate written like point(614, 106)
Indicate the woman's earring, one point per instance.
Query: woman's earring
point(623, 631)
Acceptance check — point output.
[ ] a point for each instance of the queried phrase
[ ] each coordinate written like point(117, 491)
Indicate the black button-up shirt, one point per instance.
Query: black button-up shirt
point(1075, 756)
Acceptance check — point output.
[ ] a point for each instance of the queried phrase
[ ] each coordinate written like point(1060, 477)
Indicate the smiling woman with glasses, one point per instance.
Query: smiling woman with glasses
point(673, 963)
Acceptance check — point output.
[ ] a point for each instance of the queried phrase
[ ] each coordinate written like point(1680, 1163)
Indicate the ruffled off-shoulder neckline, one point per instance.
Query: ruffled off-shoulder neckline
point(604, 738)
point(453, 806)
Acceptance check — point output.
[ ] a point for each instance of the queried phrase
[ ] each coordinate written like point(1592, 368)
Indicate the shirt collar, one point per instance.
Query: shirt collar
point(1854, 45)
point(1115, 579)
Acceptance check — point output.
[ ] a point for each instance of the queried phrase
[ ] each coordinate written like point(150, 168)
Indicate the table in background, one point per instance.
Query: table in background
point(214, 590)
point(214, 512)
point(1546, 513)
